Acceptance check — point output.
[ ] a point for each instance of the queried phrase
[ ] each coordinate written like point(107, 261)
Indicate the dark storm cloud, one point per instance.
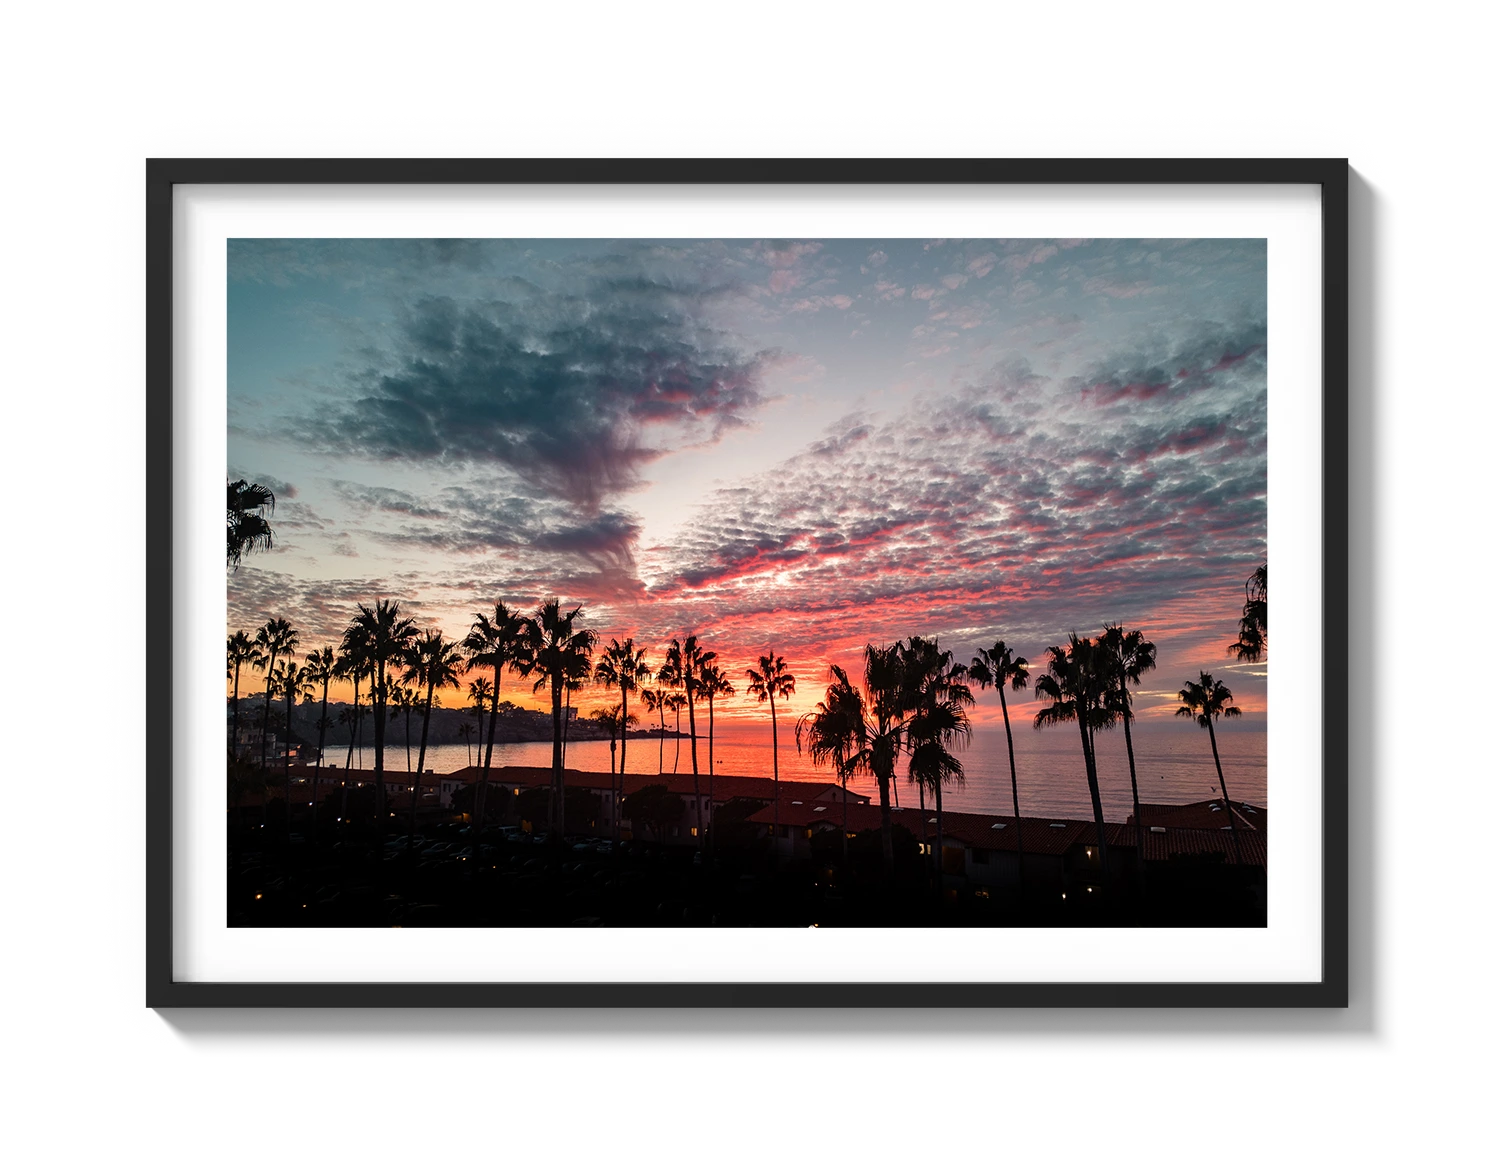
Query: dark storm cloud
point(568, 391)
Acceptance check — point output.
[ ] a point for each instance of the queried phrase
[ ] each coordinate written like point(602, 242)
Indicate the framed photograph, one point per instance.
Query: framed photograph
point(746, 583)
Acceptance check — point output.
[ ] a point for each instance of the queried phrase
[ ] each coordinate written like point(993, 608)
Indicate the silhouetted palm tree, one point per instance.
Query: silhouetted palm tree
point(936, 695)
point(771, 680)
point(656, 704)
point(322, 669)
point(1080, 684)
point(241, 652)
point(1000, 667)
point(353, 664)
point(1251, 644)
point(608, 719)
point(712, 682)
point(622, 666)
point(292, 685)
point(248, 529)
point(466, 733)
point(1129, 655)
point(683, 663)
point(834, 732)
point(385, 635)
point(403, 700)
point(557, 650)
point(675, 702)
point(1205, 701)
point(276, 639)
point(863, 731)
point(494, 642)
point(434, 663)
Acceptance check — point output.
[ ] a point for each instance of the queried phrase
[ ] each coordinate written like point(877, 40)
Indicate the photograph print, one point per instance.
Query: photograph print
point(746, 583)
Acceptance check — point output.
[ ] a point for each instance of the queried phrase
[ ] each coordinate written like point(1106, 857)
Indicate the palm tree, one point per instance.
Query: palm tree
point(275, 639)
point(936, 695)
point(1206, 701)
point(835, 733)
point(434, 663)
point(495, 642)
point(385, 635)
point(466, 733)
point(241, 652)
point(245, 519)
point(402, 700)
point(577, 676)
point(675, 702)
point(609, 719)
point(353, 664)
point(623, 666)
point(558, 650)
point(292, 685)
point(712, 681)
point(771, 680)
point(322, 669)
point(999, 667)
point(1251, 644)
point(862, 731)
point(656, 704)
point(1129, 656)
point(683, 663)
point(1081, 684)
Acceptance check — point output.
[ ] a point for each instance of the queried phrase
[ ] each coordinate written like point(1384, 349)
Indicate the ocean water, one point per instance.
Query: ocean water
point(1174, 764)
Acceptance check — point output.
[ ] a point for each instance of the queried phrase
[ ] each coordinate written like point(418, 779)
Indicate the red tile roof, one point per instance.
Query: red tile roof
point(365, 776)
point(725, 787)
point(1168, 843)
point(976, 830)
point(1204, 814)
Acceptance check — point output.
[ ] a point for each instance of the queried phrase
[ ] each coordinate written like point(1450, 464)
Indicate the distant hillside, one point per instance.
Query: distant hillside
point(514, 725)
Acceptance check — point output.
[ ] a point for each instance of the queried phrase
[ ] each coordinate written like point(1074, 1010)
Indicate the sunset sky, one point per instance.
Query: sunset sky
point(800, 444)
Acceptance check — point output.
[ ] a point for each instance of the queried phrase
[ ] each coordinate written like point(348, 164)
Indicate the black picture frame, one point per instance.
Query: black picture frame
point(1350, 1017)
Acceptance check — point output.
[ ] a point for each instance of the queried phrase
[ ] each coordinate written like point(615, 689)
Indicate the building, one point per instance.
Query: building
point(979, 850)
point(712, 793)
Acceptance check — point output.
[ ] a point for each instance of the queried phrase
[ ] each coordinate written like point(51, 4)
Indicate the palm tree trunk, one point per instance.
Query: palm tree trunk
point(1015, 797)
point(887, 846)
point(380, 701)
point(713, 837)
point(489, 752)
point(846, 820)
point(938, 791)
point(554, 804)
point(624, 726)
point(677, 749)
point(1093, 778)
point(286, 772)
point(1135, 797)
point(318, 763)
point(562, 786)
point(618, 788)
point(693, 745)
point(353, 727)
point(408, 739)
point(265, 717)
point(416, 789)
point(234, 734)
point(922, 816)
point(661, 742)
point(775, 790)
point(1234, 829)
